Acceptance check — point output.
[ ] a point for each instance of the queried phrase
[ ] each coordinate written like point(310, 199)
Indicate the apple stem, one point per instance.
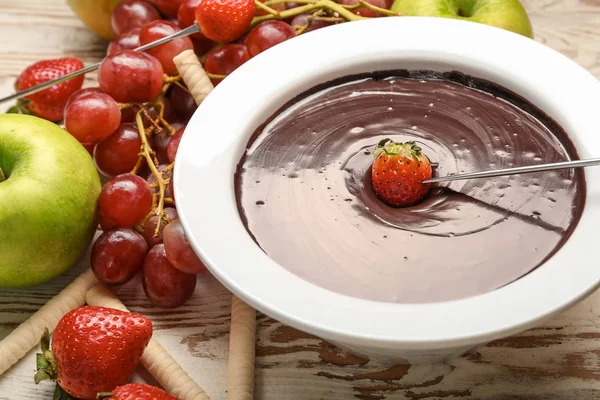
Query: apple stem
point(2, 177)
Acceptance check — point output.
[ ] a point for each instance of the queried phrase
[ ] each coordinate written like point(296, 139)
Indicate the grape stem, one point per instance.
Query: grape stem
point(215, 76)
point(2, 176)
point(384, 11)
point(309, 6)
point(159, 179)
point(160, 119)
point(266, 8)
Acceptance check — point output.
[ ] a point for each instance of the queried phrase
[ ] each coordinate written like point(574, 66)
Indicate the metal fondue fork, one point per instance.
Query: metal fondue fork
point(517, 170)
point(185, 32)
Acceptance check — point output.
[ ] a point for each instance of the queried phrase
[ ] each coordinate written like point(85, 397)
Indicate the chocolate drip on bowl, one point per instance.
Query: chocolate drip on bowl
point(304, 190)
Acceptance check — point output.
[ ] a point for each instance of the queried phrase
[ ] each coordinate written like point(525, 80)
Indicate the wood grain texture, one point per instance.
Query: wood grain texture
point(559, 360)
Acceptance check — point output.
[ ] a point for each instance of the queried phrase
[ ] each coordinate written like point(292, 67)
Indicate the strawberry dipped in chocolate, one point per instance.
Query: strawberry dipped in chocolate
point(398, 173)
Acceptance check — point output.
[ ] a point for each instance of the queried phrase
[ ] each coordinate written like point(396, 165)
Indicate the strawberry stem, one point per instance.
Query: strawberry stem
point(409, 150)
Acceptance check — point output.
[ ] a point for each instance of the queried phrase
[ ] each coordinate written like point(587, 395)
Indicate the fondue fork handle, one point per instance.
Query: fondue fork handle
point(517, 170)
point(184, 32)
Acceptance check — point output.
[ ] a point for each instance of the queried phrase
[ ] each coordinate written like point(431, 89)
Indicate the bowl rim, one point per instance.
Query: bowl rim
point(552, 81)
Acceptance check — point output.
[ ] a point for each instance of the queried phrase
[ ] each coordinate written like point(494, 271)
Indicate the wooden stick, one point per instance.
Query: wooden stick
point(193, 75)
point(155, 359)
point(242, 341)
point(242, 335)
point(28, 334)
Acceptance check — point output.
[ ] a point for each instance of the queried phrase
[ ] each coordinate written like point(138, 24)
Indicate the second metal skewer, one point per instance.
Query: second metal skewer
point(184, 32)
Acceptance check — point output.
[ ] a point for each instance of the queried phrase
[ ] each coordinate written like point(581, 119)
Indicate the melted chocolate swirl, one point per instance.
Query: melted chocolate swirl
point(304, 189)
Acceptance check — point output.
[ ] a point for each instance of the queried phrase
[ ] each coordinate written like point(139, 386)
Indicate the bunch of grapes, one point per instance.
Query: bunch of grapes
point(132, 124)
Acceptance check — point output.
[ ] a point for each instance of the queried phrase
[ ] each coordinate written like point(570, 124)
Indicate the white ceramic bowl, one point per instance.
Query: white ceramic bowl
point(218, 132)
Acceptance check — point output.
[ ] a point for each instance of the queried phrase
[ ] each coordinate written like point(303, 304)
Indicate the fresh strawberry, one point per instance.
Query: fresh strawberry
point(50, 112)
point(94, 350)
point(46, 70)
point(224, 21)
point(137, 391)
point(398, 173)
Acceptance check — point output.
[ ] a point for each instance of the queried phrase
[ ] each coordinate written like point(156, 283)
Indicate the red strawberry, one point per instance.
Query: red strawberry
point(46, 70)
point(224, 21)
point(137, 391)
point(94, 349)
point(47, 111)
point(398, 173)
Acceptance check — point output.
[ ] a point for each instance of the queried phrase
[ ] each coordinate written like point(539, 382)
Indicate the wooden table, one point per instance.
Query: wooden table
point(559, 360)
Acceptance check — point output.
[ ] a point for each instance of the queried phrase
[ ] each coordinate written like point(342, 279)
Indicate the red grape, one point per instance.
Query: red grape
point(132, 14)
point(125, 199)
point(81, 92)
point(168, 113)
point(92, 117)
point(150, 227)
point(167, 175)
point(117, 255)
point(302, 20)
point(292, 4)
point(130, 113)
point(172, 190)
point(183, 103)
point(105, 222)
point(161, 143)
point(242, 40)
point(165, 285)
point(118, 153)
point(131, 77)
point(225, 60)
point(165, 53)
point(89, 147)
point(168, 7)
point(364, 11)
point(179, 252)
point(174, 144)
point(126, 41)
point(267, 34)
point(186, 16)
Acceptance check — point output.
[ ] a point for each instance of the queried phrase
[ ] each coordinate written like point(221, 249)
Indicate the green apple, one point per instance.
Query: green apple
point(49, 187)
point(505, 14)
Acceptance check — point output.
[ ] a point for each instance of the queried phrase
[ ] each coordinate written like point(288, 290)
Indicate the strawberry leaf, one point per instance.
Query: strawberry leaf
point(45, 341)
point(41, 375)
point(45, 363)
point(60, 394)
point(22, 107)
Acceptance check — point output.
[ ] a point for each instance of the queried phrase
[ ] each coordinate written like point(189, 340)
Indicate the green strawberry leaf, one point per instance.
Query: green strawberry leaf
point(60, 394)
point(45, 340)
point(22, 107)
point(45, 363)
